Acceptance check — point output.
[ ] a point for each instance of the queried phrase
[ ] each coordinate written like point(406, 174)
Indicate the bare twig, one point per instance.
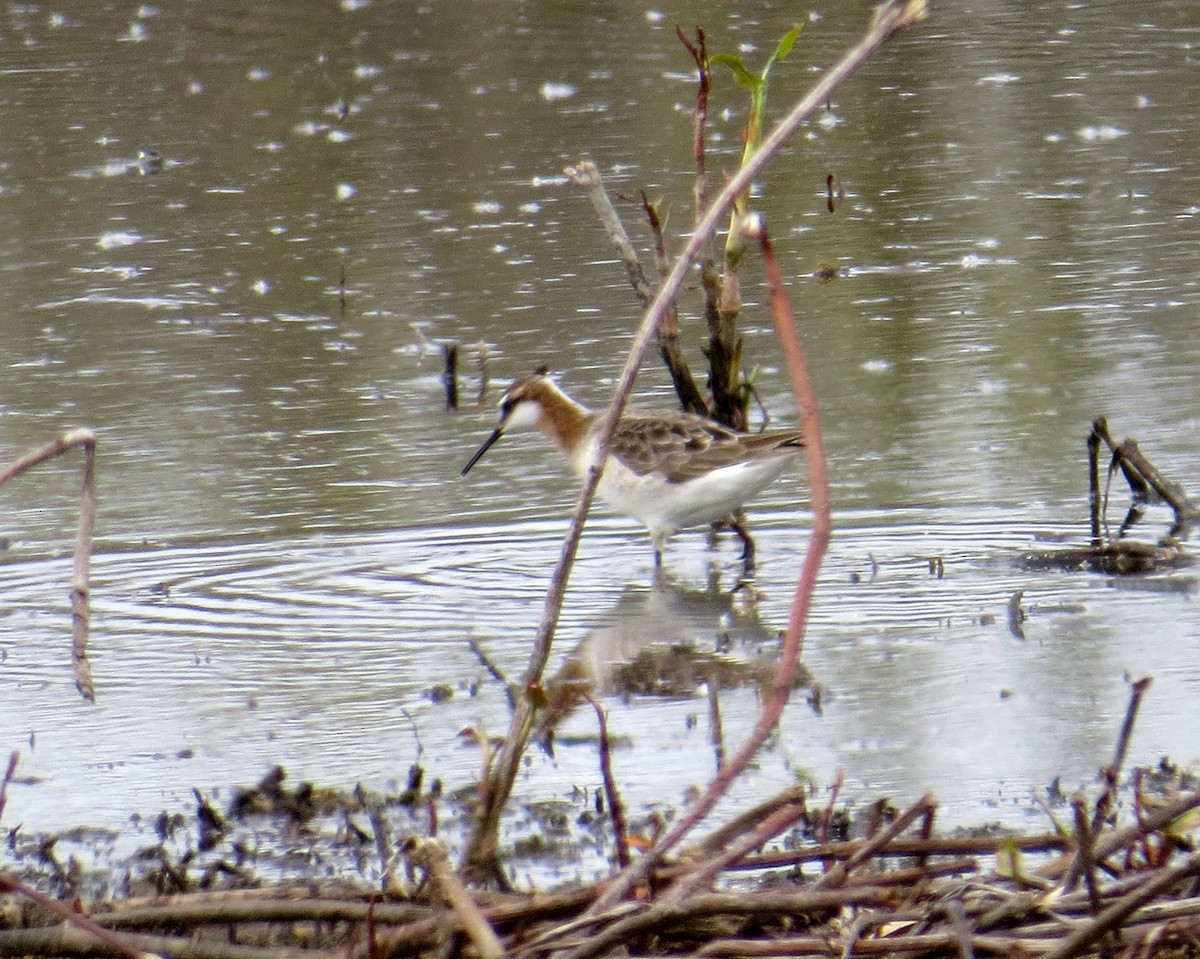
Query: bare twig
point(616, 808)
point(65, 940)
point(1109, 842)
point(1085, 864)
point(1143, 478)
point(898, 848)
point(450, 374)
point(13, 759)
point(702, 876)
point(837, 875)
point(1094, 508)
point(918, 945)
point(586, 175)
point(664, 916)
point(724, 348)
point(95, 932)
point(431, 857)
point(81, 570)
point(716, 731)
point(720, 837)
point(1112, 772)
point(668, 330)
point(493, 670)
point(699, 52)
point(1079, 940)
point(661, 264)
point(383, 841)
point(827, 814)
point(927, 831)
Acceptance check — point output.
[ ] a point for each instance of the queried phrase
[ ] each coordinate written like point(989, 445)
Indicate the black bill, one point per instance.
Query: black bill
point(487, 445)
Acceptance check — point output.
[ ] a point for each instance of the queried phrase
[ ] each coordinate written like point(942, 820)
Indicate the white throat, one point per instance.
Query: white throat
point(524, 416)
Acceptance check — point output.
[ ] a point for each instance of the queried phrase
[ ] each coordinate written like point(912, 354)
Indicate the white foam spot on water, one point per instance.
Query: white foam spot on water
point(1101, 134)
point(136, 34)
point(557, 91)
point(118, 238)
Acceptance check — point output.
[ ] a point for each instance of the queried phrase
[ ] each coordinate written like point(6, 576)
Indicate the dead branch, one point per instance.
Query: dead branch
point(587, 175)
point(1112, 772)
point(616, 809)
point(668, 330)
point(703, 875)
point(720, 837)
point(81, 570)
point(699, 52)
point(1143, 478)
point(902, 847)
point(431, 857)
point(893, 911)
point(1116, 554)
point(78, 928)
point(1114, 915)
point(1107, 844)
point(839, 873)
point(663, 917)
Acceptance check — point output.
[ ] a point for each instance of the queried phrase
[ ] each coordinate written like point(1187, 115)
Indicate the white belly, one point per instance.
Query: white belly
point(665, 507)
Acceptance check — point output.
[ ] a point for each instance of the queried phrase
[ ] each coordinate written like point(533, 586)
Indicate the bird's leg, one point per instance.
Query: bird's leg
point(737, 524)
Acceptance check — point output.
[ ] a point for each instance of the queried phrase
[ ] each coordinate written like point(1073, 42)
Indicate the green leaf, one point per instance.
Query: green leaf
point(741, 74)
point(782, 49)
point(786, 42)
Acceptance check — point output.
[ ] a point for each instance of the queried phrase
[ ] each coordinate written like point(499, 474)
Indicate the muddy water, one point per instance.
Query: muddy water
point(287, 560)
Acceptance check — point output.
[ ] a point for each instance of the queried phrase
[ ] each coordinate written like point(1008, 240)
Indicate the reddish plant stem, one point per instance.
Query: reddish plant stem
point(699, 52)
point(616, 808)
